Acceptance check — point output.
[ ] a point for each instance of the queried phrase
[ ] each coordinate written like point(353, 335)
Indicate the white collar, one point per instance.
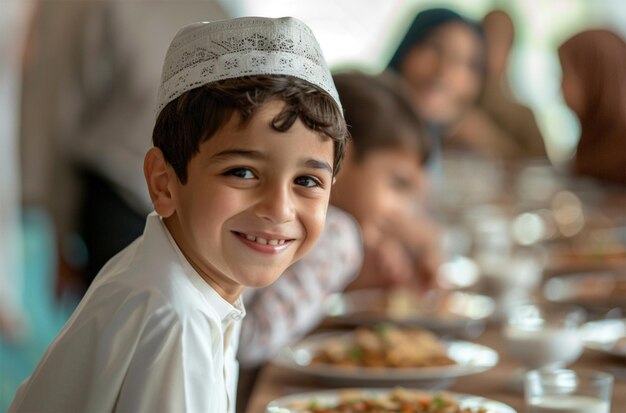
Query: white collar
point(225, 310)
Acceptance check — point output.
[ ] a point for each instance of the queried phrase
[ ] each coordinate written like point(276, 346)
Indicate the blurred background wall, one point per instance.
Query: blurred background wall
point(364, 33)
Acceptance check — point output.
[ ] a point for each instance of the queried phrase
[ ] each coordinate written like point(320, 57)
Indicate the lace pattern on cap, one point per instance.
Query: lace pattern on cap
point(207, 52)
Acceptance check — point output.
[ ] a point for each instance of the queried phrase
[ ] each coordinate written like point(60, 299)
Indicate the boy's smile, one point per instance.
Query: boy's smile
point(265, 243)
point(254, 202)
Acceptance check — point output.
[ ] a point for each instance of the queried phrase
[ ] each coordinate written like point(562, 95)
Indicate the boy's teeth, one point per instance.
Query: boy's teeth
point(264, 241)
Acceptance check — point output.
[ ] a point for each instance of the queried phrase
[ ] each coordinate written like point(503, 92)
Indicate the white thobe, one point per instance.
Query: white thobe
point(149, 336)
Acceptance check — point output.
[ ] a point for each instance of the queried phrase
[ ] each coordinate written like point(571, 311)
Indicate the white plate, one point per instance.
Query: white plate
point(602, 335)
point(470, 359)
point(454, 313)
point(331, 397)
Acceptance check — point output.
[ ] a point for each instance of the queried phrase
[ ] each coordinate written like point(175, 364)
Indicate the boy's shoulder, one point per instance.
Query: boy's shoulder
point(152, 274)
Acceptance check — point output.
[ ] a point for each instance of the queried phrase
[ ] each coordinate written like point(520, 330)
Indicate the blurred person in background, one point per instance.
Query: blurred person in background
point(499, 125)
point(88, 106)
point(594, 87)
point(383, 183)
point(442, 59)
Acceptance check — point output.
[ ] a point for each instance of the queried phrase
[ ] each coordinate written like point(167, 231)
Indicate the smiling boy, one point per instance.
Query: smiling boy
point(248, 139)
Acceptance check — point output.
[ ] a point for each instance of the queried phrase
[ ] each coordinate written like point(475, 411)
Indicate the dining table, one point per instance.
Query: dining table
point(274, 382)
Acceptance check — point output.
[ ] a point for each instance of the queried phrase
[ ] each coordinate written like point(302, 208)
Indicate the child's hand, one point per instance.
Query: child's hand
point(421, 240)
point(391, 264)
point(385, 265)
point(400, 251)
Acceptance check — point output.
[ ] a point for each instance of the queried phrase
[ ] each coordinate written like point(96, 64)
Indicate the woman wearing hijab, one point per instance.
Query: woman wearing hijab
point(442, 58)
point(499, 125)
point(594, 87)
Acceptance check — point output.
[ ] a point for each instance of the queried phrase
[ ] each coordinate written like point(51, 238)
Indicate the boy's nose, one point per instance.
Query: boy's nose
point(276, 204)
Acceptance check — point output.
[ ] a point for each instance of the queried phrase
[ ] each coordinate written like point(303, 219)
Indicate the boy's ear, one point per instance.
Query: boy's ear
point(160, 177)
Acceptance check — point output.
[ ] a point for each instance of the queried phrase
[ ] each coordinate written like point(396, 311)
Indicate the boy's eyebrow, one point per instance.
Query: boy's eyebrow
point(316, 164)
point(247, 153)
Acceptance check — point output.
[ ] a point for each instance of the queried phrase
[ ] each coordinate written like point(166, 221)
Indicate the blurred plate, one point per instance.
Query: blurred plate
point(470, 359)
point(606, 336)
point(447, 313)
point(593, 289)
point(296, 403)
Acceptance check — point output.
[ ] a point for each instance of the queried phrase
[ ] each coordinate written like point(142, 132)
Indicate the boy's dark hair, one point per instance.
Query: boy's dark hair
point(380, 115)
point(198, 114)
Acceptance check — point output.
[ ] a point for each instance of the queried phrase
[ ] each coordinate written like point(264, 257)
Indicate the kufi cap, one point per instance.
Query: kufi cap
point(206, 52)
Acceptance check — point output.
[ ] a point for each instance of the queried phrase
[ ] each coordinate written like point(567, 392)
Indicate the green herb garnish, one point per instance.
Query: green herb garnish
point(382, 329)
point(438, 402)
point(355, 353)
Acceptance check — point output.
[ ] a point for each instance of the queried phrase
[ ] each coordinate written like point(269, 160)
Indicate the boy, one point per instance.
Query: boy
point(248, 139)
point(380, 184)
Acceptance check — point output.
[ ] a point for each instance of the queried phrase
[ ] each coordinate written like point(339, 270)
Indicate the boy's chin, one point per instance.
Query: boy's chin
point(259, 279)
point(262, 282)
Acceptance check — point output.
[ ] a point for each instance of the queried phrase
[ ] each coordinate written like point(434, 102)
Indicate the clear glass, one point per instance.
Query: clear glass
point(568, 391)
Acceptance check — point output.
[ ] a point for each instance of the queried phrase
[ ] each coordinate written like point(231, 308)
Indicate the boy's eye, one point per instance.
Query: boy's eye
point(243, 173)
point(400, 183)
point(307, 181)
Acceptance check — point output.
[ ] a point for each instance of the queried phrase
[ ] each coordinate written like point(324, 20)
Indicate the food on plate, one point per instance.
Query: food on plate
point(384, 346)
point(396, 401)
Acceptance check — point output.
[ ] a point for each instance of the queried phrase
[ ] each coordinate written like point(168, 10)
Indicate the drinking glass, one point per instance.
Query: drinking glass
point(568, 391)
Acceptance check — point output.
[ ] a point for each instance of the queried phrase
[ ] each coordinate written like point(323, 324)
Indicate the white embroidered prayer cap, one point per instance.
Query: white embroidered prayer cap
point(206, 52)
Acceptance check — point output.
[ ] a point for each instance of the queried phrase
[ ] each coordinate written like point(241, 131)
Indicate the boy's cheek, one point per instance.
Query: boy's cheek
point(314, 226)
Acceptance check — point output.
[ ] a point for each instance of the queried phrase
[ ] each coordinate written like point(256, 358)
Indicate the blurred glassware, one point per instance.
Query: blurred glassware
point(529, 228)
point(513, 280)
point(491, 239)
point(536, 182)
point(457, 272)
point(467, 179)
point(568, 213)
point(544, 336)
point(568, 391)
point(510, 269)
